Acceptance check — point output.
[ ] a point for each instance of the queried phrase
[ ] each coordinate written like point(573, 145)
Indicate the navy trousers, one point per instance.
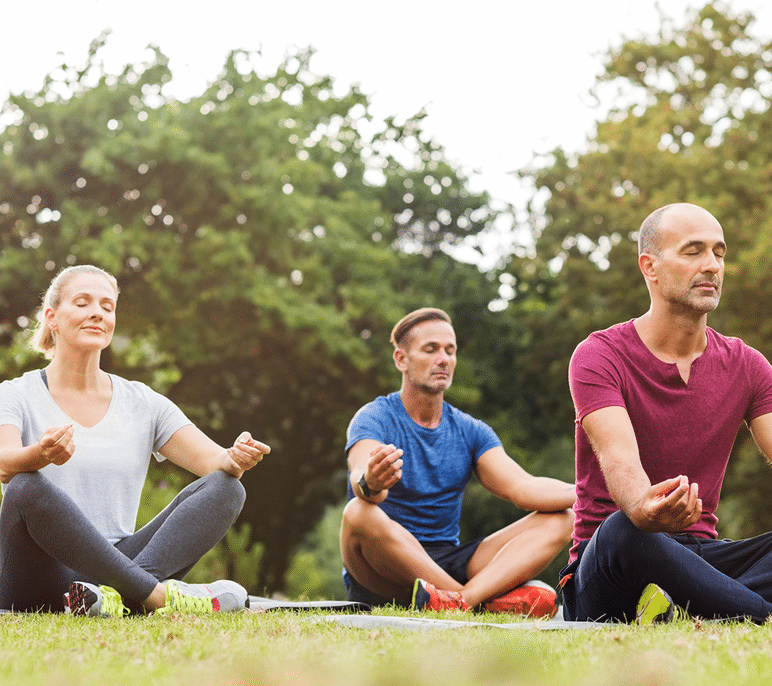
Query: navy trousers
point(709, 578)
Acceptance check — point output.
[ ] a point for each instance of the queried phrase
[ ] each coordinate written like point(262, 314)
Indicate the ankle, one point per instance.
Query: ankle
point(156, 599)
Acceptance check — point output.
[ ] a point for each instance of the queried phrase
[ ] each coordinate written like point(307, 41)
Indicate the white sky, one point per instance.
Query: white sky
point(500, 79)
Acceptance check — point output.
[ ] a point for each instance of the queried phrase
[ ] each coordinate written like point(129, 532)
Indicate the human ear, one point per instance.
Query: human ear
point(648, 267)
point(50, 316)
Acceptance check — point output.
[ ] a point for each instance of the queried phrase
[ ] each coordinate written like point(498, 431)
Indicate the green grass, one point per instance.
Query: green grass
point(280, 648)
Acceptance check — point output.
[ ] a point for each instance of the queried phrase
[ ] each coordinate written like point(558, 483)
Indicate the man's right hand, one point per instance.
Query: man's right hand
point(384, 467)
point(670, 506)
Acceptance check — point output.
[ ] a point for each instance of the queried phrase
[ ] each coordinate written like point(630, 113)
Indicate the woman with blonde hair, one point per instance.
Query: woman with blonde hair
point(75, 446)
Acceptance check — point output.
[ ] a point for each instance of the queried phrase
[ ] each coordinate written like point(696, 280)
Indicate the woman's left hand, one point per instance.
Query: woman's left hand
point(247, 452)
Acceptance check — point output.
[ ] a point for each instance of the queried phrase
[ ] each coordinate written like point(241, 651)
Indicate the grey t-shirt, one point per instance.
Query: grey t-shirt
point(107, 471)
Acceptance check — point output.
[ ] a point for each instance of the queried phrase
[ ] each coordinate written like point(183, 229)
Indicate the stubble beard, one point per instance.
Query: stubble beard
point(692, 301)
point(432, 388)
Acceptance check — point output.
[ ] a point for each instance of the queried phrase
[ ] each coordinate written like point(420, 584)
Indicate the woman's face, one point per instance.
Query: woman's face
point(85, 316)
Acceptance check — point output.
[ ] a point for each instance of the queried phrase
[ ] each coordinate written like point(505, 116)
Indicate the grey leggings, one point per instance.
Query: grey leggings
point(46, 542)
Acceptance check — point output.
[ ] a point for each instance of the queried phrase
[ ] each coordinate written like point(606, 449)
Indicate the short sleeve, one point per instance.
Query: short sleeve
point(368, 422)
point(167, 418)
point(594, 378)
point(485, 439)
point(760, 377)
point(11, 407)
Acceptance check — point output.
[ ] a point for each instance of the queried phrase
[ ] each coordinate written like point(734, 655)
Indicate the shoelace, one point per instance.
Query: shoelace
point(112, 603)
point(178, 601)
point(447, 600)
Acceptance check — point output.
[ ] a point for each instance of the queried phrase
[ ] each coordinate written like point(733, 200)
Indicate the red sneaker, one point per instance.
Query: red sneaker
point(427, 597)
point(533, 599)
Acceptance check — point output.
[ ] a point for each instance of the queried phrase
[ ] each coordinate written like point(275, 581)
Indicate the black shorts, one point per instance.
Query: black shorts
point(451, 557)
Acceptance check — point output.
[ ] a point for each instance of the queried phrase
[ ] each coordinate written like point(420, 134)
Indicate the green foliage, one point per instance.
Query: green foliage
point(316, 570)
point(232, 558)
point(242, 558)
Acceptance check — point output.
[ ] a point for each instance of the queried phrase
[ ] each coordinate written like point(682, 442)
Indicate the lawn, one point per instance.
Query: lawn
point(277, 648)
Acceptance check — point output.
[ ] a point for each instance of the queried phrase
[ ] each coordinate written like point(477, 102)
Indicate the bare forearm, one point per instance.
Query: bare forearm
point(15, 461)
point(672, 505)
point(222, 462)
point(543, 494)
point(627, 485)
point(193, 450)
point(613, 440)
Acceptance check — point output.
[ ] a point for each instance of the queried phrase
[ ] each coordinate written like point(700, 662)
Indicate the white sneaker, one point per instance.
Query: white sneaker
point(219, 596)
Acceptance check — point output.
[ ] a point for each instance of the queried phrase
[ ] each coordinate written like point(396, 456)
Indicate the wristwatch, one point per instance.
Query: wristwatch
point(367, 492)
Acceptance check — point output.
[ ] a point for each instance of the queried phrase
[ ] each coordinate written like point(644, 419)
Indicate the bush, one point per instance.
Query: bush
point(315, 570)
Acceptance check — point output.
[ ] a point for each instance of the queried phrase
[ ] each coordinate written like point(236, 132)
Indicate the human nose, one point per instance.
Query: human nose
point(712, 264)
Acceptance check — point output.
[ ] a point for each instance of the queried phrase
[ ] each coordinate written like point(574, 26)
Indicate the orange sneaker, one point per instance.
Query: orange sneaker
point(428, 597)
point(533, 599)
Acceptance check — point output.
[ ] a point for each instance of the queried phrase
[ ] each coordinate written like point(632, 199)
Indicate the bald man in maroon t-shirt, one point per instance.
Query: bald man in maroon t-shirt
point(659, 401)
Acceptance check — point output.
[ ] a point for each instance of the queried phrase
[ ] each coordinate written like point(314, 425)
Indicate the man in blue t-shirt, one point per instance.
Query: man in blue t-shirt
point(410, 456)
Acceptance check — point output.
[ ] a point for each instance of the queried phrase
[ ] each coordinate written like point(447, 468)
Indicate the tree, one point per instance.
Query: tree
point(689, 121)
point(263, 241)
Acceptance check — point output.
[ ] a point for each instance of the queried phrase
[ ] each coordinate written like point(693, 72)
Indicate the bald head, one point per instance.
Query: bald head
point(650, 233)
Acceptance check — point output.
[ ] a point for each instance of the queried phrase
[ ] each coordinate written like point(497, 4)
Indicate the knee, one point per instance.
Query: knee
point(561, 525)
point(236, 493)
point(25, 487)
point(617, 534)
point(360, 517)
point(352, 513)
point(618, 527)
point(565, 524)
point(230, 489)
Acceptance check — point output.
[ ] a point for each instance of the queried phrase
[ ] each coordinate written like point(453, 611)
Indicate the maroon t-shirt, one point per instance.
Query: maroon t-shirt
point(680, 428)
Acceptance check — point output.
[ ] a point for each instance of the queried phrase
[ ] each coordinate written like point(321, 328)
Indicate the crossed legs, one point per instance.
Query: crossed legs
point(710, 578)
point(386, 559)
point(46, 542)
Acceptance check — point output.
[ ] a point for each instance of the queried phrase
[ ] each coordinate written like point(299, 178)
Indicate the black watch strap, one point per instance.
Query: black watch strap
point(367, 492)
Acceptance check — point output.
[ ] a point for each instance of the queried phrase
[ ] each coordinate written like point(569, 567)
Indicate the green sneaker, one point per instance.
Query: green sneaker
point(83, 598)
point(655, 606)
point(199, 599)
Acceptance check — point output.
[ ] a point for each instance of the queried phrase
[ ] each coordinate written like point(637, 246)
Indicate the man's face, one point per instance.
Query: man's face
point(690, 267)
point(429, 358)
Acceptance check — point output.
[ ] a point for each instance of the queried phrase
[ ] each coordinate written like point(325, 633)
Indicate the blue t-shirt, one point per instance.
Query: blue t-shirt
point(438, 463)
